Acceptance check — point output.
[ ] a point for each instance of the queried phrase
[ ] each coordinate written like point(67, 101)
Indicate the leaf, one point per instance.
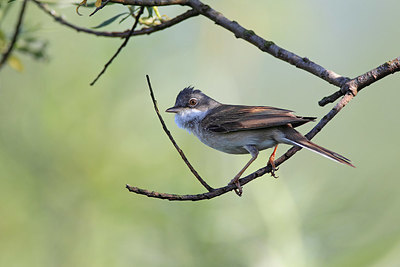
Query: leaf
point(98, 3)
point(15, 63)
point(109, 21)
point(2, 36)
point(124, 18)
point(150, 10)
point(80, 4)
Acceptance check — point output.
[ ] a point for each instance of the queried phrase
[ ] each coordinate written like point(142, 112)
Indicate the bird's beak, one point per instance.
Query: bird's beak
point(173, 110)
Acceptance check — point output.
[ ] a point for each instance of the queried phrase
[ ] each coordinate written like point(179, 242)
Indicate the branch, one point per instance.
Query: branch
point(14, 39)
point(268, 46)
point(364, 80)
point(121, 47)
point(239, 31)
point(188, 14)
point(209, 188)
point(357, 84)
point(151, 2)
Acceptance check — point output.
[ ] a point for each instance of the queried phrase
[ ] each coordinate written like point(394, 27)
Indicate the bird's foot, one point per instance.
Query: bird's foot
point(273, 170)
point(238, 189)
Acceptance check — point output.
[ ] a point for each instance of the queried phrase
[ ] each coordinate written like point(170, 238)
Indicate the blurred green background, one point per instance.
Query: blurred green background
point(67, 149)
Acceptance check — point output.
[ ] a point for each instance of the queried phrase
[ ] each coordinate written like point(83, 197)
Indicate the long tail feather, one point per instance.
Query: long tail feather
point(295, 138)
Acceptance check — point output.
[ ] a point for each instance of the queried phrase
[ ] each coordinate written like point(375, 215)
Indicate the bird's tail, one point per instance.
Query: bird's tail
point(295, 138)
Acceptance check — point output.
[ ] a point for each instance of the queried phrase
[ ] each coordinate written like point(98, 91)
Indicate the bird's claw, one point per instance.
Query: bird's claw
point(238, 189)
point(273, 170)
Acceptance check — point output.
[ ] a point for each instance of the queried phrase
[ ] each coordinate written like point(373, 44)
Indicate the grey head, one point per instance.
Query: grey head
point(191, 106)
point(190, 99)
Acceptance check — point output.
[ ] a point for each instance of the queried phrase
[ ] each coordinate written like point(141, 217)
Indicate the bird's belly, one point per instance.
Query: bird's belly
point(234, 142)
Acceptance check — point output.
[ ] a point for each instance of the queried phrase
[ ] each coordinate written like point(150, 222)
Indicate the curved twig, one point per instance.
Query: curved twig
point(188, 14)
point(168, 133)
point(14, 39)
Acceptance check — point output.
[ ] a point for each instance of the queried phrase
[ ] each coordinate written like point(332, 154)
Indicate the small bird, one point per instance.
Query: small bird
point(238, 129)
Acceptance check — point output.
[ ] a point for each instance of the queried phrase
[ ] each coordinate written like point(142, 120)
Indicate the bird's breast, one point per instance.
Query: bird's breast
point(234, 142)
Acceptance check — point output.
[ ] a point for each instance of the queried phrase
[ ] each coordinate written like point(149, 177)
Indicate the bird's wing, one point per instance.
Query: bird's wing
point(232, 118)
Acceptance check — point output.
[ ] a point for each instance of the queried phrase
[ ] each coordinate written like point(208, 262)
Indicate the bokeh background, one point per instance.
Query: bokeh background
point(67, 149)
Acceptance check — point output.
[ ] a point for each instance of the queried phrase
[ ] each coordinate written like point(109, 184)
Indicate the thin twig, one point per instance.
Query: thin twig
point(14, 39)
point(361, 83)
point(100, 7)
point(209, 188)
point(364, 80)
point(166, 24)
point(121, 47)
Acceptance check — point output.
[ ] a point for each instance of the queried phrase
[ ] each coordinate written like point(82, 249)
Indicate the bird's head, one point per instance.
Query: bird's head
point(191, 105)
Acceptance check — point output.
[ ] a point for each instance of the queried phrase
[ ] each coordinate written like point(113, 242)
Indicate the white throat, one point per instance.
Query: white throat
point(189, 119)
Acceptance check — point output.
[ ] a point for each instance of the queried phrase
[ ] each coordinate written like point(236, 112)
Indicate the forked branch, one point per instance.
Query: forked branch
point(356, 85)
point(364, 80)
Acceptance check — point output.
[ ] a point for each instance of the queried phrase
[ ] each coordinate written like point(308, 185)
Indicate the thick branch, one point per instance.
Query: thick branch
point(14, 39)
point(268, 46)
point(239, 31)
point(364, 80)
point(188, 14)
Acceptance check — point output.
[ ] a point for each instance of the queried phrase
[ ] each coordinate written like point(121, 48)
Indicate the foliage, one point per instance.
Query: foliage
point(153, 15)
point(27, 42)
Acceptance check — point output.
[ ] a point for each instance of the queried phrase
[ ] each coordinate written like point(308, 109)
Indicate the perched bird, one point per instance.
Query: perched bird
point(238, 129)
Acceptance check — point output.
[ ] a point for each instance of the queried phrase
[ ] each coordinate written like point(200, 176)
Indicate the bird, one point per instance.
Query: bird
point(241, 129)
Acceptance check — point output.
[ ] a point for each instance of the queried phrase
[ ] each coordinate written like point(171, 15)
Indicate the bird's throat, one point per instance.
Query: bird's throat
point(189, 119)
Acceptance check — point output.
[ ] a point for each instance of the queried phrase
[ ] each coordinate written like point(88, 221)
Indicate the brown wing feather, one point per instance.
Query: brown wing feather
point(231, 118)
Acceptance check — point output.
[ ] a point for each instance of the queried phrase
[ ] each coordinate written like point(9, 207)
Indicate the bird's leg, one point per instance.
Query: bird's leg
point(271, 161)
point(254, 153)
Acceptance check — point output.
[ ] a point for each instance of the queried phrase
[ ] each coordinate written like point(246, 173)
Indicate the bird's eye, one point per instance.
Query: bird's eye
point(193, 102)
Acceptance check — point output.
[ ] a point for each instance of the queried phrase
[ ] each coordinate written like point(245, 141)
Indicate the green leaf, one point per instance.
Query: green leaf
point(2, 35)
point(150, 10)
point(109, 21)
point(124, 18)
